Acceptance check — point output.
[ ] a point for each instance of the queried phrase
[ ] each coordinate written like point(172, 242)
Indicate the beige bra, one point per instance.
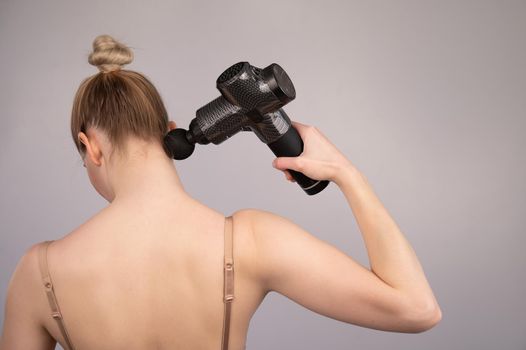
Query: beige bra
point(228, 284)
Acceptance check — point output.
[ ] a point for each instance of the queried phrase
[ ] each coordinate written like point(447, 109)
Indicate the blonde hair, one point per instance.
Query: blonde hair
point(117, 101)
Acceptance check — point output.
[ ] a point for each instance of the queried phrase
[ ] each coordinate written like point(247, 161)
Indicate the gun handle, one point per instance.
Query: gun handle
point(291, 145)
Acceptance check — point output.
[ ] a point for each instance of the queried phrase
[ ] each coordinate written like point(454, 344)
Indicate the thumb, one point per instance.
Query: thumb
point(283, 163)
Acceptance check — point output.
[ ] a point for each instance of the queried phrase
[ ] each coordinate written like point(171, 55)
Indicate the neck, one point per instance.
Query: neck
point(146, 174)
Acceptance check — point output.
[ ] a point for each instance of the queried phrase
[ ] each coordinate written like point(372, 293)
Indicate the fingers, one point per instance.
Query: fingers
point(284, 163)
point(288, 176)
point(300, 128)
point(304, 130)
point(283, 168)
point(301, 125)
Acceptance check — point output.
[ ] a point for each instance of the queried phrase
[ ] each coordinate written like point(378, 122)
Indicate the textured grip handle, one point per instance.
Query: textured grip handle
point(291, 145)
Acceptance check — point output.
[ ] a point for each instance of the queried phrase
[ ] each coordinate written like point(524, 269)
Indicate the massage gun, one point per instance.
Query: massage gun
point(251, 100)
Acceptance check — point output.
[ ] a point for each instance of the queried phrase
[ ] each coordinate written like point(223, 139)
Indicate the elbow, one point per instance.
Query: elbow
point(426, 318)
point(423, 318)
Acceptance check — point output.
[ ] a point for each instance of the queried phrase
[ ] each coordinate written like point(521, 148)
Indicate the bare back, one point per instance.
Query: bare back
point(152, 280)
point(149, 274)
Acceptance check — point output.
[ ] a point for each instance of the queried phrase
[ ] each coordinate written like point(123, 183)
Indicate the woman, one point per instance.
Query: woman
point(147, 272)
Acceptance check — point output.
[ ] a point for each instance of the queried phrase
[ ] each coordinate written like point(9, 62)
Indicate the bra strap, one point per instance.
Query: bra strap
point(48, 286)
point(228, 283)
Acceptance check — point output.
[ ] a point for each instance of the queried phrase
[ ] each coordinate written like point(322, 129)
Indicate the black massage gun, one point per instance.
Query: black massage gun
point(251, 100)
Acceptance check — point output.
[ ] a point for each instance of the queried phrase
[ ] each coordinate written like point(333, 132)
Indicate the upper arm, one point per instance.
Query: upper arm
point(324, 279)
point(22, 327)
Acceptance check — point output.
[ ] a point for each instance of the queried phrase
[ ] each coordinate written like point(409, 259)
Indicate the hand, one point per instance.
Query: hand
point(320, 159)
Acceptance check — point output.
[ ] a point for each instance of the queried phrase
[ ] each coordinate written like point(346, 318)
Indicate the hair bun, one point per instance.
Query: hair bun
point(109, 55)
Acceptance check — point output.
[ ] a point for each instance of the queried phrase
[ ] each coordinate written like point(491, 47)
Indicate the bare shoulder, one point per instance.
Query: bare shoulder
point(245, 250)
point(25, 291)
point(26, 276)
point(274, 241)
point(261, 234)
point(255, 219)
point(25, 305)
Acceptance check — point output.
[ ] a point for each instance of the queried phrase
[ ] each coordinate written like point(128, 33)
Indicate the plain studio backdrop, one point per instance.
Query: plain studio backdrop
point(427, 99)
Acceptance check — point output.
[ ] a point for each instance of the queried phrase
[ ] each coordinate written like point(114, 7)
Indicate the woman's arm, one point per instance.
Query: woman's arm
point(394, 295)
point(391, 256)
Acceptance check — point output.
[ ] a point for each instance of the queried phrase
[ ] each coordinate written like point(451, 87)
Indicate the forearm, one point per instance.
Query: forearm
point(391, 256)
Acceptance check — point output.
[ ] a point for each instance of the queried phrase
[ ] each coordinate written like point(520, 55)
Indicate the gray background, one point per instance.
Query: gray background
point(428, 99)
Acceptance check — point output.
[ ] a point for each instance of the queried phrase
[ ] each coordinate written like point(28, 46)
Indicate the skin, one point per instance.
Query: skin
point(146, 271)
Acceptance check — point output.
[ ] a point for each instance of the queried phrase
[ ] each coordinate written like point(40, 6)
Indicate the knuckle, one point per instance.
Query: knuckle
point(300, 164)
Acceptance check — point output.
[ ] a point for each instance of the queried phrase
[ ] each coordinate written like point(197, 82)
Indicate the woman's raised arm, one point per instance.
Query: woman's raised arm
point(393, 296)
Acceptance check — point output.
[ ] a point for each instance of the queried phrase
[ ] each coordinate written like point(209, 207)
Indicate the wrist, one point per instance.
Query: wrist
point(347, 174)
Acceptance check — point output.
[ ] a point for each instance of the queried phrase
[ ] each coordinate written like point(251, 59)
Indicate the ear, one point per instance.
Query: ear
point(171, 125)
point(93, 150)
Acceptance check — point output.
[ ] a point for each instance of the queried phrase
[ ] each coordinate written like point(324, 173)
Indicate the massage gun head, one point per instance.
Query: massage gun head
point(254, 89)
point(248, 94)
point(176, 144)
